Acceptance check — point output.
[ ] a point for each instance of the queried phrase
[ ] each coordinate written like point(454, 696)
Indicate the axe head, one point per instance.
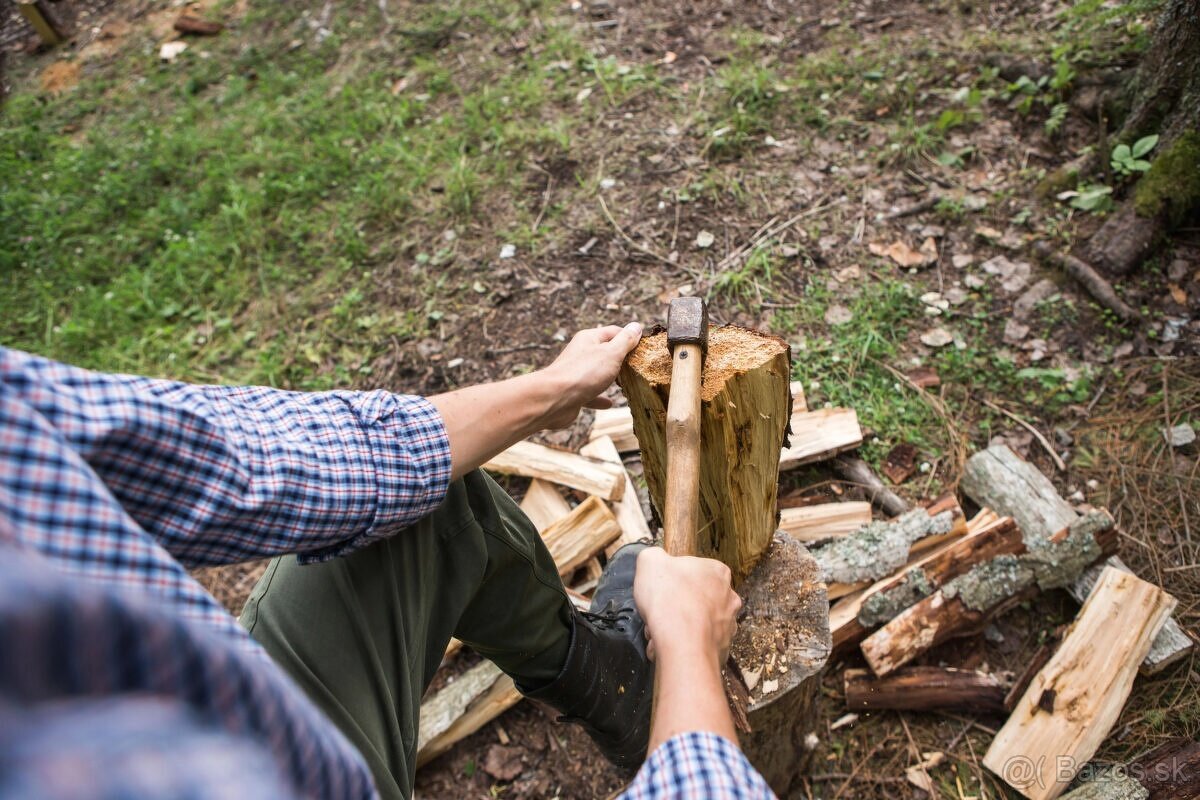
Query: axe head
point(687, 322)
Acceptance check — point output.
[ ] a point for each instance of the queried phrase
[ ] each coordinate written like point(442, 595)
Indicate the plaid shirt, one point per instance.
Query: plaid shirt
point(119, 675)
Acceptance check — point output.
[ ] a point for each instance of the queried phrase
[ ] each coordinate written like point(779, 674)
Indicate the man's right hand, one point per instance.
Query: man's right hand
point(688, 603)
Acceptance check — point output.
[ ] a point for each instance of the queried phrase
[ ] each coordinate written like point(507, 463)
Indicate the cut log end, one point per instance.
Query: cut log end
point(731, 351)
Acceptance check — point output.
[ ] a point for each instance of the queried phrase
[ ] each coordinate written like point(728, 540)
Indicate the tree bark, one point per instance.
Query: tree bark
point(745, 410)
point(1167, 102)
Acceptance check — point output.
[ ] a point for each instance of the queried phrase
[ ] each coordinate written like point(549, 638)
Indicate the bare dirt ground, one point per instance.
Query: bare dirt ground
point(628, 202)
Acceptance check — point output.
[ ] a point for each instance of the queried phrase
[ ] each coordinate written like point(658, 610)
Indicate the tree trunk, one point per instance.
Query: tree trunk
point(744, 415)
point(1167, 102)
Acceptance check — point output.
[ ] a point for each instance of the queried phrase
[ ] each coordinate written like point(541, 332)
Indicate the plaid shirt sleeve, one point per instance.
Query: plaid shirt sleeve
point(697, 766)
point(221, 474)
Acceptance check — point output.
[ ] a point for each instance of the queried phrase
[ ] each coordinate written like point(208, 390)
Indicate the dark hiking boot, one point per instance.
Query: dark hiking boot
point(607, 683)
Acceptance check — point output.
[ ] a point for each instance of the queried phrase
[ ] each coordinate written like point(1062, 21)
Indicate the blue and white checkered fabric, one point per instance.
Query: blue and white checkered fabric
point(119, 675)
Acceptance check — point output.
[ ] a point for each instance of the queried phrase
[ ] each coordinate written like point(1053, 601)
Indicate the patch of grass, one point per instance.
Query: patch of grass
point(222, 217)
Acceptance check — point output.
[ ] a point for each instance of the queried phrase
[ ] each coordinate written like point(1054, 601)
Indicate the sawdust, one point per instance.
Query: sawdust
point(731, 351)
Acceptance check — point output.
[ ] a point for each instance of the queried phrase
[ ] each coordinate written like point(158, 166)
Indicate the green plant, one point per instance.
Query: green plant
point(1127, 159)
point(1091, 197)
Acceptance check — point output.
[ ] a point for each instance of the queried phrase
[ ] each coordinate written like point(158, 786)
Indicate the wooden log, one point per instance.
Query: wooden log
point(1072, 704)
point(965, 604)
point(925, 689)
point(590, 475)
point(880, 548)
point(744, 415)
point(587, 530)
point(1171, 645)
point(543, 504)
point(781, 648)
point(857, 614)
point(816, 523)
point(628, 509)
point(617, 423)
point(475, 698)
point(858, 472)
point(820, 435)
point(999, 478)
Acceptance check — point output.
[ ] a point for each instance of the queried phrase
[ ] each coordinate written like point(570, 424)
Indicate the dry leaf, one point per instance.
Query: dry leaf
point(899, 252)
point(1178, 294)
point(503, 763)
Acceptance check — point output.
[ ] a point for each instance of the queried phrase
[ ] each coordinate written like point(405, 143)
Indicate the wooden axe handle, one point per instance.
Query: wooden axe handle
point(680, 514)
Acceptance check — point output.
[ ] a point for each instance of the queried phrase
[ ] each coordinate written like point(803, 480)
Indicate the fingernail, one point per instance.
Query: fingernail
point(635, 328)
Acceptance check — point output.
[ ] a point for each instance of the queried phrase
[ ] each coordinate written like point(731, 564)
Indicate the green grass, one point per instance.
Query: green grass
point(224, 216)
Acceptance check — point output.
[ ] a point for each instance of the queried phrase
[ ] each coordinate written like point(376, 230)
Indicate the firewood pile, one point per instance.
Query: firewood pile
point(896, 588)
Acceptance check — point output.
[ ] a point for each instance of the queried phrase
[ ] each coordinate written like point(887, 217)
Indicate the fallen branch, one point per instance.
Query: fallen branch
point(856, 471)
point(1099, 288)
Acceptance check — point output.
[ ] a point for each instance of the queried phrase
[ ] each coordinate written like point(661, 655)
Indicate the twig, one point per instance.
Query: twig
point(1166, 402)
point(1058, 462)
point(625, 236)
point(518, 348)
point(908, 211)
point(764, 233)
point(545, 203)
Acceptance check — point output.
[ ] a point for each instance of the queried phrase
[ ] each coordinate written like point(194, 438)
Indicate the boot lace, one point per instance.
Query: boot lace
point(610, 617)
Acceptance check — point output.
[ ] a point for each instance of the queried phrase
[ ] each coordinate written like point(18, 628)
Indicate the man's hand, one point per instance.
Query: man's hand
point(483, 420)
point(688, 603)
point(585, 368)
point(691, 612)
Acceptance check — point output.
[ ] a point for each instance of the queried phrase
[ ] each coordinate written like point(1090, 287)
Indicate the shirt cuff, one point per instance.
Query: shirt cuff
point(699, 765)
point(410, 452)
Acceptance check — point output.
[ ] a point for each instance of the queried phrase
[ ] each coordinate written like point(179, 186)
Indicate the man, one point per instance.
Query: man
point(121, 677)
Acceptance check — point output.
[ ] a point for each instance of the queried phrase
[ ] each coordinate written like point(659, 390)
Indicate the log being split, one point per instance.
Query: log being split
point(999, 478)
point(745, 409)
point(617, 423)
point(1073, 702)
point(590, 475)
point(880, 548)
point(967, 603)
point(986, 539)
point(925, 689)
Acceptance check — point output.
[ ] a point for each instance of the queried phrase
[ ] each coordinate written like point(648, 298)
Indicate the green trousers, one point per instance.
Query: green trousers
point(363, 634)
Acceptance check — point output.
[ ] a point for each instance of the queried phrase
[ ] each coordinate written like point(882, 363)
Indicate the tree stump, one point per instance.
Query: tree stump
point(781, 648)
point(745, 408)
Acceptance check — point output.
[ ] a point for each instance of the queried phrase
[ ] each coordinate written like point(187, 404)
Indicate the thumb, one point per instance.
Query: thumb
point(628, 338)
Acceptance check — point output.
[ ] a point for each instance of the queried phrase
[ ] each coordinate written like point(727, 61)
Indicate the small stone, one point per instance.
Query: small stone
point(850, 273)
point(938, 337)
point(1014, 331)
point(171, 50)
point(1180, 436)
point(704, 240)
point(508, 251)
point(956, 296)
point(607, 183)
point(975, 281)
point(962, 260)
point(1024, 305)
point(838, 315)
point(1077, 496)
point(974, 202)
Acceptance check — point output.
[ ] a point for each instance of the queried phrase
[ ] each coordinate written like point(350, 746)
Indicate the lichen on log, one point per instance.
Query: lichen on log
point(883, 606)
point(879, 548)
